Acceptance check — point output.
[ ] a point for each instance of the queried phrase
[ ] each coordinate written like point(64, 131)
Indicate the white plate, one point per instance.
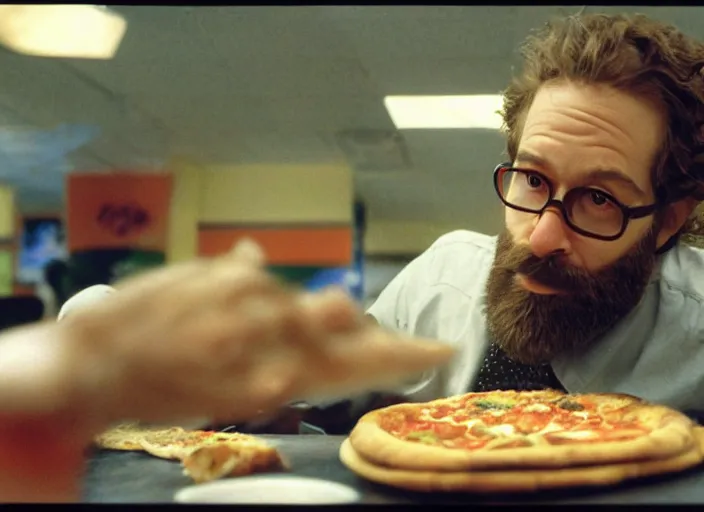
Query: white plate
point(269, 489)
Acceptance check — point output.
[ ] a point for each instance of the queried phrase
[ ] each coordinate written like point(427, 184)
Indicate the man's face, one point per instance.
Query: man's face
point(551, 289)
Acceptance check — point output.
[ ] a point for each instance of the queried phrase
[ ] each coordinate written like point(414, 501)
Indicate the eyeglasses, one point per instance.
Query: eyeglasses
point(588, 211)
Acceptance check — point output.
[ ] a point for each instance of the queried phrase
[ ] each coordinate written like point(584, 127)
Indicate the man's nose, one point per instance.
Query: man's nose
point(550, 234)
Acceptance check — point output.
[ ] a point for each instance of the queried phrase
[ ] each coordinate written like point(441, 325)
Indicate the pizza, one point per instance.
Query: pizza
point(520, 440)
point(204, 455)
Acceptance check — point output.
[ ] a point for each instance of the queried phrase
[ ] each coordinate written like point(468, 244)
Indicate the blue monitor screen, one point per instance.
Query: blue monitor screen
point(41, 241)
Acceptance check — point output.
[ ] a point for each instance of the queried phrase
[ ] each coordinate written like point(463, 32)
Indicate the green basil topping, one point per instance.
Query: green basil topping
point(490, 404)
point(569, 405)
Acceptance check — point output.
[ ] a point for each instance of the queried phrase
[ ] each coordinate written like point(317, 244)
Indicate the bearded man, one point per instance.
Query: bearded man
point(588, 288)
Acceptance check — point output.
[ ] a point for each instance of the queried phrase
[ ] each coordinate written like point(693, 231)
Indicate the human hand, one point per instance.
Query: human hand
point(212, 338)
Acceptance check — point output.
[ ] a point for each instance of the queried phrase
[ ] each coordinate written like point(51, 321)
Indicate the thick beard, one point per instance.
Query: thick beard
point(533, 328)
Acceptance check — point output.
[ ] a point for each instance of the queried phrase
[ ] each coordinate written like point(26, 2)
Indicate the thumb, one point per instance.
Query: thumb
point(248, 251)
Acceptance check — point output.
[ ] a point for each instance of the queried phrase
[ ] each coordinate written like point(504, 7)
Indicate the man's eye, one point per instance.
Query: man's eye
point(534, 181)
point(598, 198)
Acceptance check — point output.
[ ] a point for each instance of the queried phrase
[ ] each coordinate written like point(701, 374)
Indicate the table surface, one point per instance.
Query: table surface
point(135, 477)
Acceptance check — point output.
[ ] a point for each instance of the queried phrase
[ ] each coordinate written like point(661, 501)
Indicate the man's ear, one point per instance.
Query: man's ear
point(674, 217)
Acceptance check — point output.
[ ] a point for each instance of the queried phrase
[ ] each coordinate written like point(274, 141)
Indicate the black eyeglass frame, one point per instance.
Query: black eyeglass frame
point(629, 213)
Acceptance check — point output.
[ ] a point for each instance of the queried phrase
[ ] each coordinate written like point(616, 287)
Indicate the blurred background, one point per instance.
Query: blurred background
point(344, 139)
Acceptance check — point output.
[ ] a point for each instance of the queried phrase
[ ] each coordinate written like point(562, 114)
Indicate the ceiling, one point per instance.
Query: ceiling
point(233, 85)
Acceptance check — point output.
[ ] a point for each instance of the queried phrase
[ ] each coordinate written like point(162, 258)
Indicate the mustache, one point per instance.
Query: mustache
point(551, 271)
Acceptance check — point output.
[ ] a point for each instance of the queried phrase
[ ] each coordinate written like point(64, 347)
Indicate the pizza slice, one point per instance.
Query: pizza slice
point(208, 455)
point(205, 455)
point(223, 459)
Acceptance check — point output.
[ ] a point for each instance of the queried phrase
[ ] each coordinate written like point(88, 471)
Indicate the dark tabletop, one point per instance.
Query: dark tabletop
point(135, 477)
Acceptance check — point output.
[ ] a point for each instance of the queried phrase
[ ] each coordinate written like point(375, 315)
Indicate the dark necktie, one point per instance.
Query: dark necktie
point(499, 372)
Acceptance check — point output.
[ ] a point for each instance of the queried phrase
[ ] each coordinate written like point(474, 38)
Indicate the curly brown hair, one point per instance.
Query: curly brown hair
point(634, 54)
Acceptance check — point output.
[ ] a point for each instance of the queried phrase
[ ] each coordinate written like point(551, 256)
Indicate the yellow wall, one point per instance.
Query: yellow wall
point(7, 212)
point(254, 194)
point(277, 194)
point(8, 220)
point(184, 211)
point(399, 237)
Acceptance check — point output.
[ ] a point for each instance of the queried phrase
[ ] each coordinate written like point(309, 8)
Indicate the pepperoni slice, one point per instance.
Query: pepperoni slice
point(470, 444)
point(449, 431)
point(441, 412)
point(529, 423)
point(491, 420)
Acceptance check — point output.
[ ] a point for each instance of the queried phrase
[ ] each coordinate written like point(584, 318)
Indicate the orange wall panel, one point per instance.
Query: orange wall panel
point(283, 245)
point(118, 210)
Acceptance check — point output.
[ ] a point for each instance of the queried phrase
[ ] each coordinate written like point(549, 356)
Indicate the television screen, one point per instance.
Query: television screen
point(41, 241)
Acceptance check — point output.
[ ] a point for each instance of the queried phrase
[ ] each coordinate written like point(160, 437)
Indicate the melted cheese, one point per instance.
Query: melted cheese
point(550, 427)
point(502, 430)
point(581, 414)
point(472, 422)
point(537, 408)
point(449, 419)
point(580, 434)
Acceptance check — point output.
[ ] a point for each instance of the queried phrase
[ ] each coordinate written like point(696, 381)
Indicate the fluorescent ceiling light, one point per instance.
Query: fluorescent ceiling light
point(439, 112)
point(74, 31)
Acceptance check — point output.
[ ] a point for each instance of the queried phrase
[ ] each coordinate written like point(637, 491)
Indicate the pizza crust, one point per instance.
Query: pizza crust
point(519, 480)
point(671, 436)
point(224, 459)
